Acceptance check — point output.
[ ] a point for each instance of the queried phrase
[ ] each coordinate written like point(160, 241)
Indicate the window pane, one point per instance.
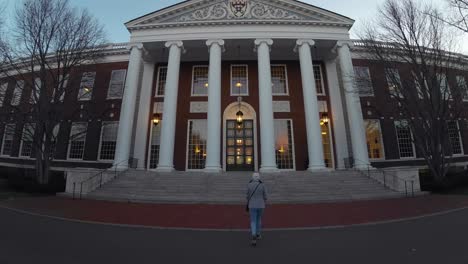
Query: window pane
point(197, 144)
point(327, 146)
point(454, 136)
point(319, 80)
point(462, 86)
point(3, 89)
point(117, 84)
point(405, 139)
point(155, 143)
point(200, 80)
point(393, 82)
point(27, 140)
point(363, 81)
point(279, 80)
point(77, 140)
point(16, 98)
point(86, 86)
point(161, 83)
point(8, 136)
point(108, 140)
point(444, 86)
point(374, 139)
point(283, 144)
point(239, 80)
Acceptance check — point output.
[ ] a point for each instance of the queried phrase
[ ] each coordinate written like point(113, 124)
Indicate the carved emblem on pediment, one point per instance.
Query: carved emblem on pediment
point(238, 7)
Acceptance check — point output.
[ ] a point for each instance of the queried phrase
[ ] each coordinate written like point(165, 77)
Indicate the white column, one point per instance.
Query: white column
point(353, 103)
point(213, 145)
point(267, 128)
point(166, 151)
point(339, 122)
point(127, 111)
point(312, 115)
point(143, 120)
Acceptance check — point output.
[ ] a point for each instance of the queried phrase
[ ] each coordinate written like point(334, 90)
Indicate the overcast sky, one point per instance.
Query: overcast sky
point(114, 13)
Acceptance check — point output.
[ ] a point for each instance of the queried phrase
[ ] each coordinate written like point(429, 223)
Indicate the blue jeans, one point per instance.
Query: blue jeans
point(256, 220)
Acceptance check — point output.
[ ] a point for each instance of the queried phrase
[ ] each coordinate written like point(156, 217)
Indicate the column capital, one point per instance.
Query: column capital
point(269, 42)
point(342, 43)
point(309, 42)
point(210, 42)
point(130, 46)
point(176, 43)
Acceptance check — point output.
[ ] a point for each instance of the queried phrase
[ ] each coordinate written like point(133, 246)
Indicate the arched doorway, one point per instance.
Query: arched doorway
point(240, 152)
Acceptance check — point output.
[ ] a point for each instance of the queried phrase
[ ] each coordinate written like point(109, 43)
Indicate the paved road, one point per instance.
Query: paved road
point(31, 239)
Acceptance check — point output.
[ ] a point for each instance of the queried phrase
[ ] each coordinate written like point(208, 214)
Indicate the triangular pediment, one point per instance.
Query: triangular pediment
point(199, 12)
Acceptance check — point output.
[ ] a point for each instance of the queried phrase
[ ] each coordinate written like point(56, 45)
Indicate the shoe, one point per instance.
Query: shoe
point(259, 237)
point(253, 242)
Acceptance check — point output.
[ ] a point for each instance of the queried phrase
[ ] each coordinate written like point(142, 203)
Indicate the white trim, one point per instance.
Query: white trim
point(293, 144)
point(157, 82)
point(247, 80)
point(398, 142)
point(110, 84)
point(103, 123)
point(324, 92)
point(193, 79)
point(381, 140)
point(286, 79)
point(70, 141)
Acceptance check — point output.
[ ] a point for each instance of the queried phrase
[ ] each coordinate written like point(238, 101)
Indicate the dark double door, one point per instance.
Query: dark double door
point(240, 146)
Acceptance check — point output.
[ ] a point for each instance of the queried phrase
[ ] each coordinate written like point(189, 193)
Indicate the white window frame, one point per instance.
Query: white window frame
point(149, 147)
point(157, 82)
point(398, 142)
point(324, 93)
point(247, 80)
point(3, 139)
point(372, 93)
point(440, 78)
point(70, 141)
point(459, 139)
point(389, 80)
point(3, 90)
point(193, 81)
point(381, 140)
point(80, 95)
point(100, 140)
point(187, 145)
point(110, 84)
point(17, 93)
point(461, 79)
point(286, 79)
point(293, 144)
point(22, 141)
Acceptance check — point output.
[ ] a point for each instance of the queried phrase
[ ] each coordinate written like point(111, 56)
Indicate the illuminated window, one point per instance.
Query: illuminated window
point(155, 144)
point(375, 145)
point(454, 136)
point(239, 80)
point(8, 136)
point(27, 140)
point(319, 79)
point(393, 82)
point(284, 144)
point(327, 145)
point(161, 83)
point(86, 86)
point(117, 84)
point(200, 81)
point(197, 144)
point(108, 140)
point(279, 78)
point(363, 81)
point(405, 139)
point(16, 98)
point(77, 140)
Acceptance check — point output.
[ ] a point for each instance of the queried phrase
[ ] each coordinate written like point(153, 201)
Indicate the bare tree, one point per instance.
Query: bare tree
point(459, 16)
point(413, 44)
point(51, 42)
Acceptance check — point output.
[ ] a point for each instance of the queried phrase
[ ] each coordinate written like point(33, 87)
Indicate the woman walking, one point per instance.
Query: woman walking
point(256, 199)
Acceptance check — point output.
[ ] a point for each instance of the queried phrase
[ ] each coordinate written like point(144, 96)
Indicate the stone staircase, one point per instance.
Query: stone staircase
point(230, 188)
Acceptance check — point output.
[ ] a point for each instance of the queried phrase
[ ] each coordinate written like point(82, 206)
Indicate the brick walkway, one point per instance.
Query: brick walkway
point(233, 216)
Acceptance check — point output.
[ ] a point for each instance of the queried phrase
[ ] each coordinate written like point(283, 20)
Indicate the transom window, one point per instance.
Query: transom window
point(463, 87)
point(108, 140)
point(375, 145)
point(279, 78)
point(8, 136)
point(155, 145)
point(27, 140)
point(200, 81)
point(16, 98)
point(77, 140)
point(363, 81)
point(394, 82)
point(454, 136)
point(239, 80)
point(86, 86)
point(196, 151)
point(284, 144)
point(161, 82)
point(3, 89)
point(117, 84)
point(319, 79)
point(405, 139)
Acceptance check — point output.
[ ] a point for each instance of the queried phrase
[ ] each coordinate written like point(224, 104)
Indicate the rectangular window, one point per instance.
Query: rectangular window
point(200, 81)
point(319, 79)
point(326, 142)
point(375, 145)
point(117, 84)
point(53, 140)
point(155, 143)
point(197, 136)
point(27, 140)
point(8, 136)
point(279, 79)
point(77, 140)
point(35, 91)
point(161, 83)
point(16, 98)
point(444, 86)
point(61, 87)
point(284, 143)
point(3, 90)
point(463, 87)
point(363, 81)
point(109, 132)
point(455, 138)
point(405, 139)
point(393, 82)
point(86, 86)
point(239, 80)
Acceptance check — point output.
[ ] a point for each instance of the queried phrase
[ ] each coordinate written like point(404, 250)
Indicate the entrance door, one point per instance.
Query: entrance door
point(240, 146)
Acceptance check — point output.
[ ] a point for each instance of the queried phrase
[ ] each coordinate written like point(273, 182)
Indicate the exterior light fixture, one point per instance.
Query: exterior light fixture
point(240, 117)
point(325, 120)
point(156, 119)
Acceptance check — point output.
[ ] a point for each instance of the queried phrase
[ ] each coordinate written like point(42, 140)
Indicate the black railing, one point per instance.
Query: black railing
point(98, 178)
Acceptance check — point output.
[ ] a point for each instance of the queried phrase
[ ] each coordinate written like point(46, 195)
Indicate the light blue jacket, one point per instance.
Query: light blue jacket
point(259, 197)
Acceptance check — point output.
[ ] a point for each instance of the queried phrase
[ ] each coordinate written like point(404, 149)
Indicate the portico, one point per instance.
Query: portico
point(210, 33)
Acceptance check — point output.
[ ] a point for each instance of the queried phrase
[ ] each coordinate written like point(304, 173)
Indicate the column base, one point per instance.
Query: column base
point(164, 169)
point(319, 169)
point(269, 169)
point(215, 169)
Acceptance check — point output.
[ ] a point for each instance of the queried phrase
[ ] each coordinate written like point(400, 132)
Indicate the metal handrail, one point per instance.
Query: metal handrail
point(99, 174)
point(406, 182)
